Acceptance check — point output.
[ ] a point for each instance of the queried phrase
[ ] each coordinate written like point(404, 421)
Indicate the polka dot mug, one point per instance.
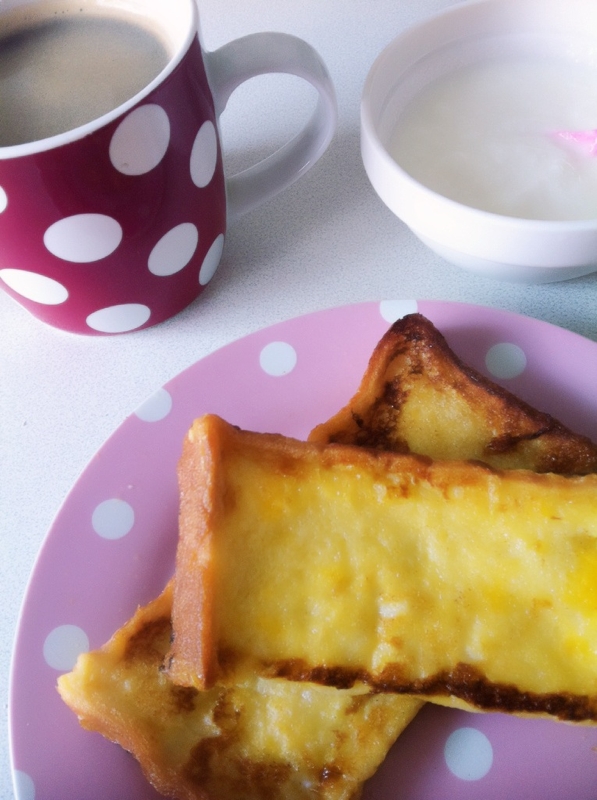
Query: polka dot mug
point(119, 223)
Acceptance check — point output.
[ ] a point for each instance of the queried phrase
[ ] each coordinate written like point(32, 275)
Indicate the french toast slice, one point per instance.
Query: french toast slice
point(121, 691)
point(417, 396)
point(260, 739)
point(344, 565)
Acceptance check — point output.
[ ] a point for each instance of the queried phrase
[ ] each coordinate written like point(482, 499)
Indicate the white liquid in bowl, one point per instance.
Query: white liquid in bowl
point(484, 135)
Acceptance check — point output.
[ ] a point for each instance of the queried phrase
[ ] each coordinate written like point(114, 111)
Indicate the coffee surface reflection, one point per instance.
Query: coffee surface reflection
point(65, 71)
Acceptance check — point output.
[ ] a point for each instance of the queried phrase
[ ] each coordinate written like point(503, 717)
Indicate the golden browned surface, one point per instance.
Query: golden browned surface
point(417, 396)
point(343, 564)
point(261, 739)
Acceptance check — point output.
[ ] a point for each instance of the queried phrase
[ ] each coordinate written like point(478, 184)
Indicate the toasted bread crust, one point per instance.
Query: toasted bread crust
point(196, 484)
point(96, 690)
point(464, 686)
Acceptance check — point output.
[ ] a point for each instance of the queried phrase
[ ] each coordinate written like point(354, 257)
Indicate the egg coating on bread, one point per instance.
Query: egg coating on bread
point(260, 738)
point(418, 396)
point(340, 564)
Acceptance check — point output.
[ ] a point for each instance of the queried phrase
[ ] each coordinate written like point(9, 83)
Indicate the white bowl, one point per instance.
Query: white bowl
point(507, 247)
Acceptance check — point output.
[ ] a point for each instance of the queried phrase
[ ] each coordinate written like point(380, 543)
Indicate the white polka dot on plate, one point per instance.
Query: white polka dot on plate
point(113, 519)
point(174, 250)
point(23, 785)
point(83, 238)
point(204, 155)
point(156, 407)
point(211, 260)
point(468, 754)
point(141, 140)
point(393, 310)
point(63, 646)
point(278, 359)
point(505, 360)
point(33, 286)
point(119, 319)
point(3, 200)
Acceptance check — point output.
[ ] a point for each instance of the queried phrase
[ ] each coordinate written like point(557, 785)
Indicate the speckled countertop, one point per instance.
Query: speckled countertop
point(326, 241)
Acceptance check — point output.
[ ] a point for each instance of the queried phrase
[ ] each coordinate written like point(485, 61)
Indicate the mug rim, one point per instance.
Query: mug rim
point(81, 131)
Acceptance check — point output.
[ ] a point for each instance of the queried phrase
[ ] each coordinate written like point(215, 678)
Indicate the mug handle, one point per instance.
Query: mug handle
point(258, 54)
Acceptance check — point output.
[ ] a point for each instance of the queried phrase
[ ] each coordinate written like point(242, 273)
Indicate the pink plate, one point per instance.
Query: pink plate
point(112, 547)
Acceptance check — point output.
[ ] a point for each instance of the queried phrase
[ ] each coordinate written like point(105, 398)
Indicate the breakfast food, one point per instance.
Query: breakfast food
point(484, 135)
point(444, 578)
point(269, 738)
point(260, 739)
point(417, 396)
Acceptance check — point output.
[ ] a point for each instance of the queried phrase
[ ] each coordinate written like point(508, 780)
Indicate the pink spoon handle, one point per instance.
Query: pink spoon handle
point(587, 139)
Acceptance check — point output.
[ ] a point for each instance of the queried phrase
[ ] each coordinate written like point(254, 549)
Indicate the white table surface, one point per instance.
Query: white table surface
point(327, 241)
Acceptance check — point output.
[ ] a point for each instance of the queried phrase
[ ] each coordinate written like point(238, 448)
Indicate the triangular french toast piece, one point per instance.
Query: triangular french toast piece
point(344, 565)
point(417, 396)
point(261, 739)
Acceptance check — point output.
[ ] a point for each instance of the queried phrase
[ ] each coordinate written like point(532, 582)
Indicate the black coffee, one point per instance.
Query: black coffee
point(62, 72)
